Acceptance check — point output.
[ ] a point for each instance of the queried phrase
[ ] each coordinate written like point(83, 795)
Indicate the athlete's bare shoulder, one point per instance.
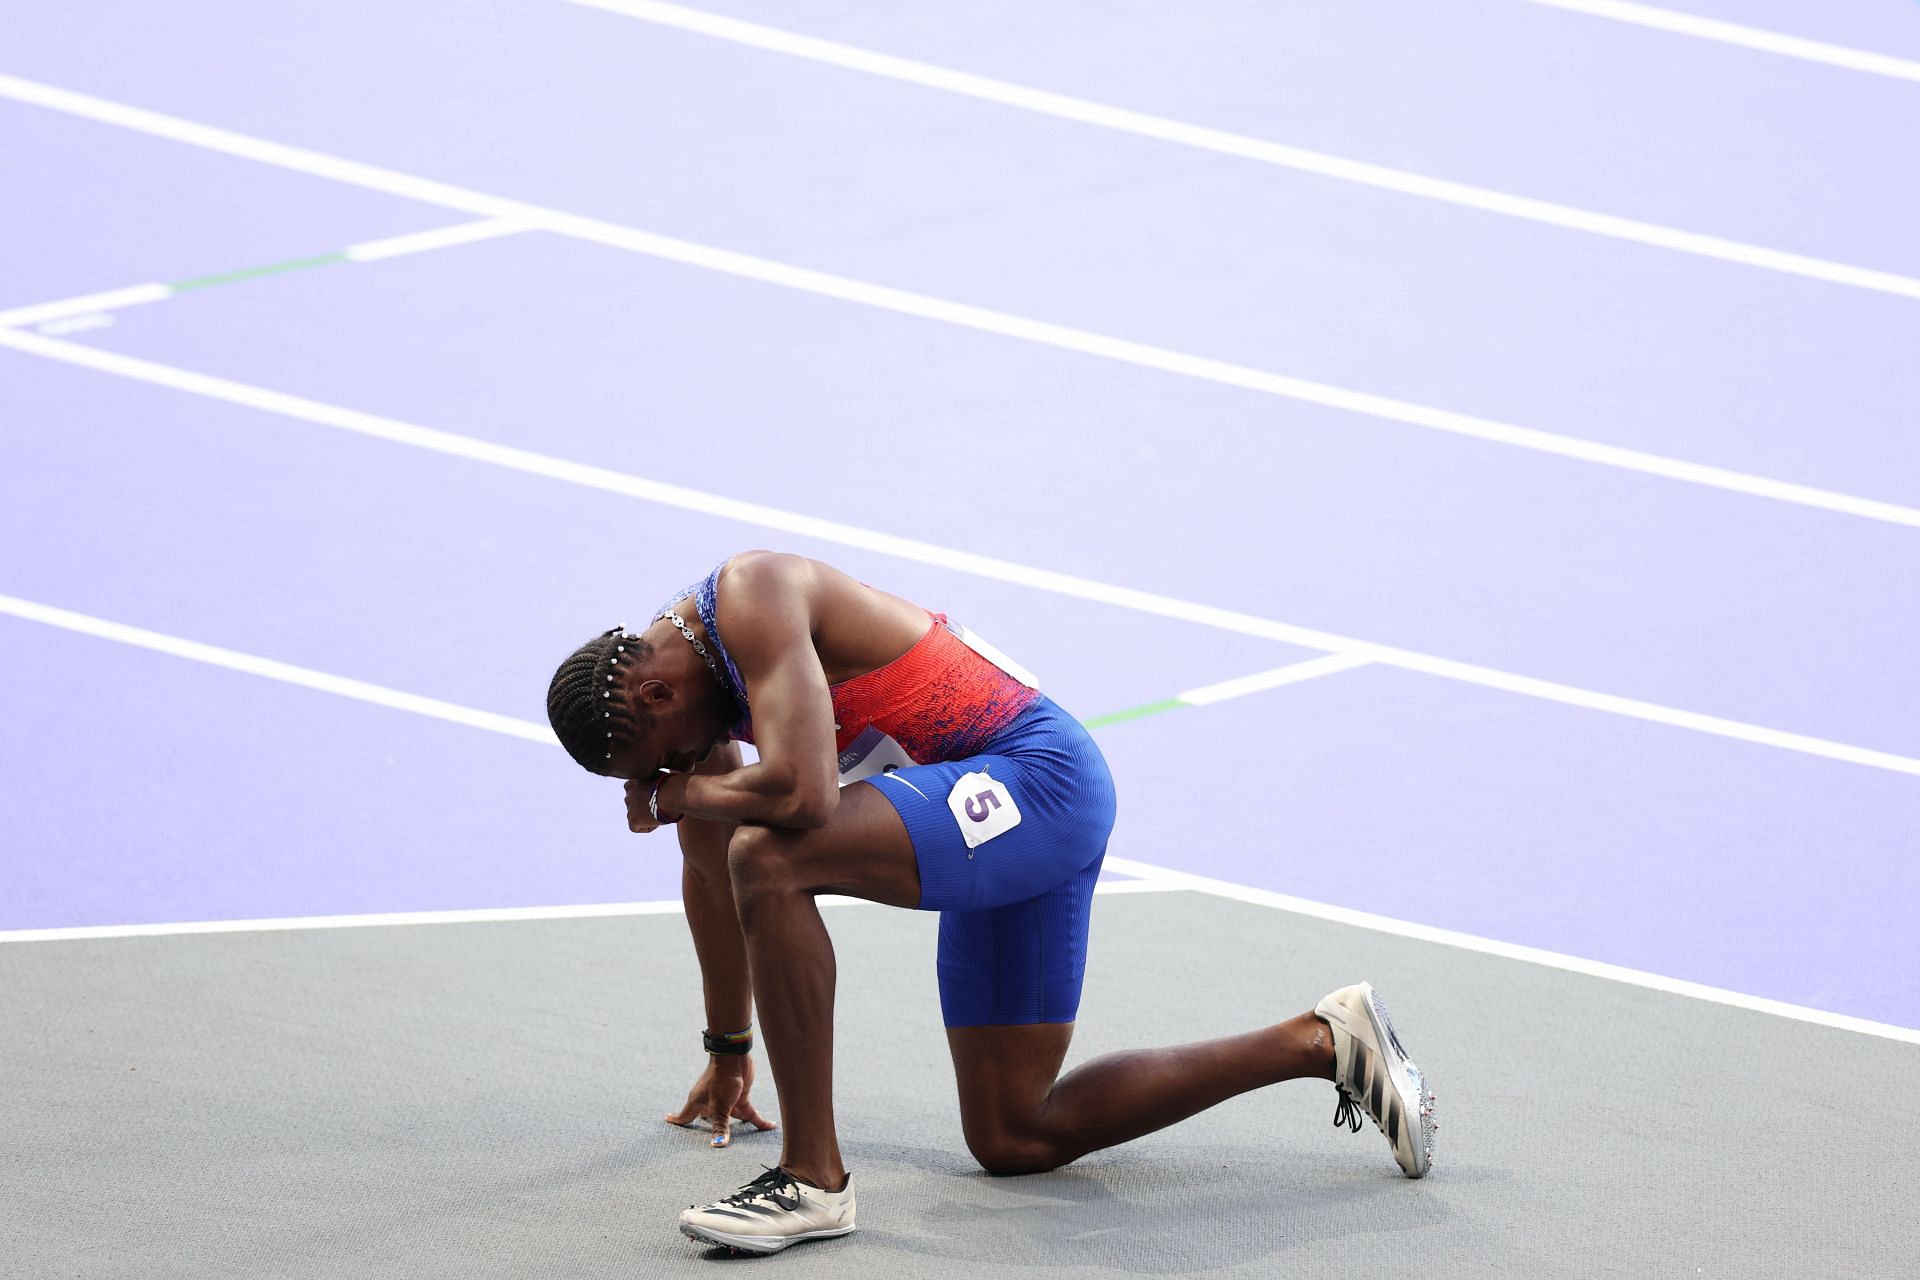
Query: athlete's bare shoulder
point(854, 627)
point(757, 575)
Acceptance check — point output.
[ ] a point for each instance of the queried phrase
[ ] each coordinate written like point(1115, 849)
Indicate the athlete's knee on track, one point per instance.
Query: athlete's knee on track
point(1005, 1146)
point(1008, 1156)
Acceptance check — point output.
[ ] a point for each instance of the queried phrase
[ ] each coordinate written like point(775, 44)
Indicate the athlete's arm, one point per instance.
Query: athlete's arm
point(770, 634)
point(719, 1096)
point(708, 895)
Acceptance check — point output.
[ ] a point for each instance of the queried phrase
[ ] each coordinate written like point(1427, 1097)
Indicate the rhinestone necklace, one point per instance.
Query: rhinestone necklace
point(726, 686)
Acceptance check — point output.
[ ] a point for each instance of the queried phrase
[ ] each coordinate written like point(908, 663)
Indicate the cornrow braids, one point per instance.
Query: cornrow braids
point(587, 702)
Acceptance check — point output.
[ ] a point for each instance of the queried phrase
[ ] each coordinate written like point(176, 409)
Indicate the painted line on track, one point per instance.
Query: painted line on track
point(963, 315)
point(1207, 695)
point(92, 304)
point(1139, 123)
point(256, 273)
point(1150, 877)
point(271, 669)
point(1514, 951)
point(477, 915)
point(835, 532)
point(1745, 37)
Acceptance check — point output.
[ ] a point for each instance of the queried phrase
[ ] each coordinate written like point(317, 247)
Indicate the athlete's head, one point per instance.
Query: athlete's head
point(624, 709)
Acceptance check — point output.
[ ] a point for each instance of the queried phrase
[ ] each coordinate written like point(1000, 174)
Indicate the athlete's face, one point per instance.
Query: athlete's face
point(680, 732)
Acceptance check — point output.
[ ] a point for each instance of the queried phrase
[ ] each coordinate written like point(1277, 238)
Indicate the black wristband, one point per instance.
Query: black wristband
point(728, 1044)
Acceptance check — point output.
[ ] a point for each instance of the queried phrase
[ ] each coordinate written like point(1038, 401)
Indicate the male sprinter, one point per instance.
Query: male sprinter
point(903, 761)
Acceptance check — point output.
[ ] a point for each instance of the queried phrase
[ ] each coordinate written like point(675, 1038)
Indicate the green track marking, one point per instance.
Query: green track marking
point(1134, 713)
point(272, 269)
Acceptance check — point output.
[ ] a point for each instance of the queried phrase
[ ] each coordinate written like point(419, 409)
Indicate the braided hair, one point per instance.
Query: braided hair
point(587, 701)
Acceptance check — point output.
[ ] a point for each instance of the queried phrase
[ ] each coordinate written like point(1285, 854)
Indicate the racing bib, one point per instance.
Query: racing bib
point(983, 807)
point(873, 752)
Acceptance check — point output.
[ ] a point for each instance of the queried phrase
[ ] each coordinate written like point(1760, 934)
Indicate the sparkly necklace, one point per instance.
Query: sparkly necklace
point(726, 686)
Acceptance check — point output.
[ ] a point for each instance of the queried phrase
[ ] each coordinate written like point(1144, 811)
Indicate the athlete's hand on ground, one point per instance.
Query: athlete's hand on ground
point(720, 1097)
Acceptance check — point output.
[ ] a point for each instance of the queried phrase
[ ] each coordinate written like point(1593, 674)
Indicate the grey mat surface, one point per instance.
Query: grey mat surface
point(485, 1100)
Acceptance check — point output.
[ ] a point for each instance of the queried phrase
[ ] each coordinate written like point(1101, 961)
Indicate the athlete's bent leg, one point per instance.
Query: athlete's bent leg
point(862, 852)
point(1019, 1118)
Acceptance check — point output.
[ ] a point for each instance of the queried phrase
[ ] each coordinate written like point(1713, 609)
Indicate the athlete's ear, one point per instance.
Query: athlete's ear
point(653, 694)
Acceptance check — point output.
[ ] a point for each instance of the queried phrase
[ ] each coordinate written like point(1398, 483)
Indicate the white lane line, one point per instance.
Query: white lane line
point(1260, 681)
point(480, 915)
point(981, 319)
point(370, 251)
point(1513, 951)
point(85, 304)
point(631, 486)
point(270, 669)
point(1160, 128)
point(484, 915)
point(441, 238)
point(1154, 879)
point(1689, 24)
point(912, 549)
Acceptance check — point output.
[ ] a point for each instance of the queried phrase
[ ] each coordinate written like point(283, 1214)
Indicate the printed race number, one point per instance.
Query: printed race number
point(983, 807)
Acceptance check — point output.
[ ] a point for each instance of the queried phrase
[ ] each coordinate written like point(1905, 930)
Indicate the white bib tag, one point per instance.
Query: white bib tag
point(983, 808)
point(871, 753)
point(994, 656)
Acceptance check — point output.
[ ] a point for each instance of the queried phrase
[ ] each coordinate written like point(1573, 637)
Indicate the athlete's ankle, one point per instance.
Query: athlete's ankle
point(1322, 1045)
point(821, 1177)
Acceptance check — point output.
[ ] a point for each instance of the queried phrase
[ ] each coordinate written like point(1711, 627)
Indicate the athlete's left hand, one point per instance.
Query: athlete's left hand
point(719, 1097)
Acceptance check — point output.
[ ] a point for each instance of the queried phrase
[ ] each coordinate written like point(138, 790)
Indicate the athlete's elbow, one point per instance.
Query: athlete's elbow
point(808, 810)
point(795, 803)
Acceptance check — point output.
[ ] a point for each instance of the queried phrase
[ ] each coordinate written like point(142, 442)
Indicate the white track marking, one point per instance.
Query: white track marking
point(1153, 879)
point(1125, 887)
point(285, 672)
point(1160, 128)
point(839, 534)
point(484, 915)
point(1512, 951)
point(981, 319)
point(427, 241)
point(481, 915)
point(1689, 24)
point(371, 251)
point(1293, 673)
point(86, 304)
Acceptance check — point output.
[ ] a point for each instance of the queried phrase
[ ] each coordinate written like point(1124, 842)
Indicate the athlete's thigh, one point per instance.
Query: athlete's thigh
point(862, 852)
point(1004, 1073)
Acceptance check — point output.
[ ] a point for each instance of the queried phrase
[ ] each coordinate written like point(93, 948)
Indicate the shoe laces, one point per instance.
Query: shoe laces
point(771, 1185)
point(1347, 1111)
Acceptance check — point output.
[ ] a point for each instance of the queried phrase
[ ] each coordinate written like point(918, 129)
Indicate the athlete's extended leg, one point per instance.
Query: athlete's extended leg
point(863, 852)
point(1018, 1118)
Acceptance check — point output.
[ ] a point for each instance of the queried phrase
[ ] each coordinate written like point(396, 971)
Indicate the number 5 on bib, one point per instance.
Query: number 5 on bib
point(983, 807)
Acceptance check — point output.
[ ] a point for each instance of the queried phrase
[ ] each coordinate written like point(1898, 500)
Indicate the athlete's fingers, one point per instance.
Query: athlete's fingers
point(722, 1130)
point(748, 1112)
point(688, 1114)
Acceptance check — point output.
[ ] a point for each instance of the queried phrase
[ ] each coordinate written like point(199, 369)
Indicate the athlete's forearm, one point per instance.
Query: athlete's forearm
point(757, 793)
point(715, 926)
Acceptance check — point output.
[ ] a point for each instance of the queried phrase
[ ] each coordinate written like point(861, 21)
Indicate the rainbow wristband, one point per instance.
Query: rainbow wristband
point(728, 1044)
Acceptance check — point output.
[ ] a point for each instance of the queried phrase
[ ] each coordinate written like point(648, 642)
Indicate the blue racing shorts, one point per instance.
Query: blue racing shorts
point(1009, 844)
